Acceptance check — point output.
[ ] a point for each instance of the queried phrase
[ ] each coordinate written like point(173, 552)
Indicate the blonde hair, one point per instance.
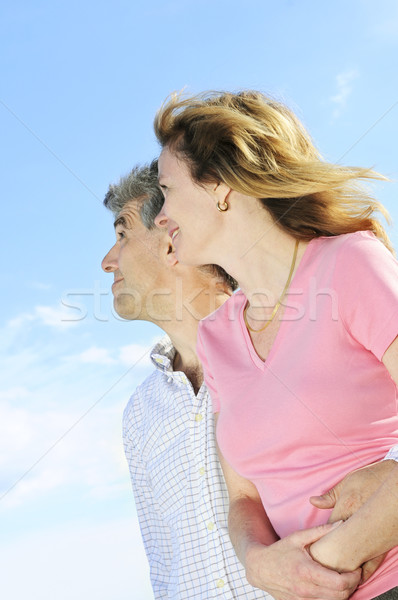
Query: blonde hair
point(258, 147)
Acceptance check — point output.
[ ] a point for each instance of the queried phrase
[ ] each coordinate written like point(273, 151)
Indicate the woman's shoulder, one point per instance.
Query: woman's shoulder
point(348, 240)
point(349, 248)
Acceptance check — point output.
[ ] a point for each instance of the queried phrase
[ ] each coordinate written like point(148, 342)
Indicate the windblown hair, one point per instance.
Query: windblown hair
point(258, 147)
point(141, 186)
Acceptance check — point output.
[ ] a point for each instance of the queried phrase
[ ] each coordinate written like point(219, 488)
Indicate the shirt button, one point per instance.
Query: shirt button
point(220, 583)
point(202, 471)
point(198, 418)
point(210, 526)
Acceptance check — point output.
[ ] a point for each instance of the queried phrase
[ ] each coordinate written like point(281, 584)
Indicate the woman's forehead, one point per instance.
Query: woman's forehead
point(170, 164)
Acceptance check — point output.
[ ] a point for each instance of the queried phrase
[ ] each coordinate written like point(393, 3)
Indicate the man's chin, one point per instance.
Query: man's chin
point(125, 308)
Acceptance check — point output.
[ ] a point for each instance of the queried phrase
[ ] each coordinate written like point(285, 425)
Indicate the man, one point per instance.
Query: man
point(168, 426)
point(168, 423)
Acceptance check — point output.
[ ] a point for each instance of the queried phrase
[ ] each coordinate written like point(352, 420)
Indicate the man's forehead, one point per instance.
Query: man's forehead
point(128, 217)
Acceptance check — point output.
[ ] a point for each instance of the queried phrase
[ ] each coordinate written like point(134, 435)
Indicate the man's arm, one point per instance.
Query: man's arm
point(155, 532)
point(373, 529)
point(284, 568)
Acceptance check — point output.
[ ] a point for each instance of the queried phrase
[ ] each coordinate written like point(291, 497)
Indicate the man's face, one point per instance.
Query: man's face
point(135, 260)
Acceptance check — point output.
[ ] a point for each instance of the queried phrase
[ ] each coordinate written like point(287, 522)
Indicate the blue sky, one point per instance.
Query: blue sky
point(80, 83)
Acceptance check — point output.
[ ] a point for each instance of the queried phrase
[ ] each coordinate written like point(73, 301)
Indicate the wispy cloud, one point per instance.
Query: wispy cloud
point(58, 316)
point(15, 393)
point(91, 455)
point(100, 559)
point(344, 84)
point(132, 353)
point(96, 355)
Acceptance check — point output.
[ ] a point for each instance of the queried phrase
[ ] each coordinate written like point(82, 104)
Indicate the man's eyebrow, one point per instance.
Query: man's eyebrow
point(121, 221)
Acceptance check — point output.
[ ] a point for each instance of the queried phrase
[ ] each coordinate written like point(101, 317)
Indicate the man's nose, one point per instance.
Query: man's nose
point(109, 263)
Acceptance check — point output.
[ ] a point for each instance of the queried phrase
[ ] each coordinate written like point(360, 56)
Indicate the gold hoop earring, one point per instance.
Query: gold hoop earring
point(222, 207)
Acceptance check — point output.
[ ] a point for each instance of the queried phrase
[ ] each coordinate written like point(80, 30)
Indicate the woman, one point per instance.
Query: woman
point(302, 363)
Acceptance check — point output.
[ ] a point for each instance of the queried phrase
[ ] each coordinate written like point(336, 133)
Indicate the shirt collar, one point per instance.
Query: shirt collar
point(162, 355)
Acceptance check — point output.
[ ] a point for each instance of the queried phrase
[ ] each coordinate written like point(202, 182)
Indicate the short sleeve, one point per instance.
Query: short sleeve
point(208, 377)
point(366, 282)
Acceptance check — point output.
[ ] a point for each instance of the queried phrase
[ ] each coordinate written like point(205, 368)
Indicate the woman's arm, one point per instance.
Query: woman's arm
point(283, 568)
point(373, 529)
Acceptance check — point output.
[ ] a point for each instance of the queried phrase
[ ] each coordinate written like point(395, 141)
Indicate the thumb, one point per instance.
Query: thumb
point(309, 536)
point(326, 500)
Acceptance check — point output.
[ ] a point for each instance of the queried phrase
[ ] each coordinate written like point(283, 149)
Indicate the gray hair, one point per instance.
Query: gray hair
point(141, 186)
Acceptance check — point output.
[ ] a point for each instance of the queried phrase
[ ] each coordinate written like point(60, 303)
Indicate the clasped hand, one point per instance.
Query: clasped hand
point(286, 570)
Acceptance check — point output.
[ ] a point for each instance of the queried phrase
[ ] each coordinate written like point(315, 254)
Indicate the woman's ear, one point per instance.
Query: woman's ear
point(222, 191)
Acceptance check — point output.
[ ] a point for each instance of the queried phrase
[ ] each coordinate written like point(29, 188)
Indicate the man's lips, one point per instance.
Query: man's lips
point(117, 281)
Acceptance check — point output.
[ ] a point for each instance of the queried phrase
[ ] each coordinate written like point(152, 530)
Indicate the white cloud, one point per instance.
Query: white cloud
point(344, 90)
point(15, 393)
point(96, 355)
point(105, 560)
point(20, 320)
point(58, 450)
point(59, 317)
point(135, 354)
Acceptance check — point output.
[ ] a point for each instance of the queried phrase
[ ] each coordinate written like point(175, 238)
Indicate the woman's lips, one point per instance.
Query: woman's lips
point(174, 233)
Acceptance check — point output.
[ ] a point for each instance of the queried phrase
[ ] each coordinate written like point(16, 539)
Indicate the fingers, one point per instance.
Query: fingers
point(339, 588)
point(327, 500)
point(309, 536)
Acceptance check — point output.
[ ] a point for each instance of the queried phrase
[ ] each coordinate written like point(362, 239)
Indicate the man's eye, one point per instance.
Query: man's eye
point(120, 235)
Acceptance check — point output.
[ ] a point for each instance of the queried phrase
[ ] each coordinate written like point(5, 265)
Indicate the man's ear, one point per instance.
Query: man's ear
point(171, 255)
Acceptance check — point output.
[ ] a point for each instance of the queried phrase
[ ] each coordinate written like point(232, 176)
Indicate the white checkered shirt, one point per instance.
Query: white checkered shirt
point(392, 454)
point(179, 490)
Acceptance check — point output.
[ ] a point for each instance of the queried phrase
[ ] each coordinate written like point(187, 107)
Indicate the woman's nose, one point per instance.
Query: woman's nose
point(161, 219)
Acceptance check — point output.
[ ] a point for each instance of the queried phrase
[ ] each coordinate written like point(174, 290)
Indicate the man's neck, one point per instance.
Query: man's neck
point(183, 334)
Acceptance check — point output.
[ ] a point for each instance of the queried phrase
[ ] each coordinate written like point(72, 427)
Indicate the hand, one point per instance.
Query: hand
point(352, 492)
point(286, 570)
point(346, 497)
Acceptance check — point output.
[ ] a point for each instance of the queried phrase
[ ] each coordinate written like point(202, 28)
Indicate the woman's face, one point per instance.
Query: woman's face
point(189, 211)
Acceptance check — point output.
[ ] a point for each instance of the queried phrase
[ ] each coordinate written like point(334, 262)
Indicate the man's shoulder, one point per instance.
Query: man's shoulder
point(144, 393)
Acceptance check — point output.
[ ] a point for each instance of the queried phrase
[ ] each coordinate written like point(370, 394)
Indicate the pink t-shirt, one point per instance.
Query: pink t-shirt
point(322, 404)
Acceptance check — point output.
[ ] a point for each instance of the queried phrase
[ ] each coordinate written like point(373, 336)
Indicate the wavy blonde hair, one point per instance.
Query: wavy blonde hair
point(258, 147)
